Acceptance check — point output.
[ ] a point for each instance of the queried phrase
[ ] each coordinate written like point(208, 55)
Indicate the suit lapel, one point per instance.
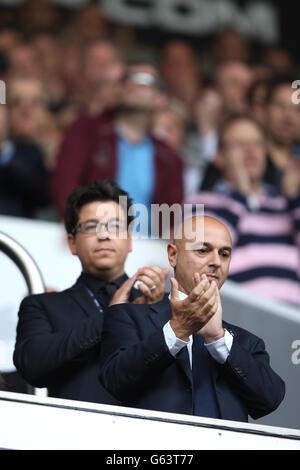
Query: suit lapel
point(160, 314)
point(81, 296)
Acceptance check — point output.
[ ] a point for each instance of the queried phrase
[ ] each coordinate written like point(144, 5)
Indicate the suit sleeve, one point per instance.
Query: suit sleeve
point(248, 372)
point(130, 363)
point(41, 351)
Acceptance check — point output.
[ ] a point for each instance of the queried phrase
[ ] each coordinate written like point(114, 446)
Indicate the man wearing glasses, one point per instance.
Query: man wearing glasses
point(59, 334)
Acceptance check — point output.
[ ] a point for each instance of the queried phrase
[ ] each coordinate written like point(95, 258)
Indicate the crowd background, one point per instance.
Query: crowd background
point(65, 72)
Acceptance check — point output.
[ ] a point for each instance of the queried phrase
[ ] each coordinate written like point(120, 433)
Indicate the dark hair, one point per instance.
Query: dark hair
point(101, 191)
point(275, 83)
point(230, 121)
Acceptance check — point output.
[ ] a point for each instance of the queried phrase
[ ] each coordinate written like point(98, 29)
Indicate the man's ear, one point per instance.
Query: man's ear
point(172, 254)
point(71, 243)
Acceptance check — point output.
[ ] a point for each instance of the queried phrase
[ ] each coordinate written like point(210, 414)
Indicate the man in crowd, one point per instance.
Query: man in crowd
point(179, 355)
point(263, 223)
point(117, 144)
point(59, 334)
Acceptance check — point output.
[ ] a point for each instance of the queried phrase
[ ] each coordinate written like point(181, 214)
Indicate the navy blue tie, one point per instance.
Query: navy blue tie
point(205, 403)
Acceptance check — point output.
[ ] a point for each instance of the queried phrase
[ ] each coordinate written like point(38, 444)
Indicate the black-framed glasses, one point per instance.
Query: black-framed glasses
point(114, 227)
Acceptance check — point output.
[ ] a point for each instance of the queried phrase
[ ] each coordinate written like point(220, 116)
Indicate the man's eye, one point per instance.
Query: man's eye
point(202, 250)
point(225, 255)
point(90, 227)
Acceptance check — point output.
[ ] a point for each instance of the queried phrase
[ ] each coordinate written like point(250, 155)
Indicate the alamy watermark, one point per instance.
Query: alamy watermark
point(159, 221)
point(296, 94)
point(2, 92)
point(295, 357)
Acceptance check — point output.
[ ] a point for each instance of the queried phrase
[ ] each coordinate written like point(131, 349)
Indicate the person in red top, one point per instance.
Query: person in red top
point(91, 146)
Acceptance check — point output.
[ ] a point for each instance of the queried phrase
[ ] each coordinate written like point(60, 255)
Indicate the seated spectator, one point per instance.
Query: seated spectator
point(233, 80)
point(172, 124)
point(271, 104)
point(48, 53)
point(257, 100)
point(118, 145)
point(30, 118)
point(38, 15)
point(89, 23)
point(278, 59)
point(282, 120)
point(102, 70)
point(180, 70)
point(207, 116)
point(230, 45)
point(264, 225)
point(9, 38)
point(23, 62)
point(23, 176)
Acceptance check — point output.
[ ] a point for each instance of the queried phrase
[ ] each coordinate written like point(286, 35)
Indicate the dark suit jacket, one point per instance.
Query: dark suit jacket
point(137, 367)
point(58, 344)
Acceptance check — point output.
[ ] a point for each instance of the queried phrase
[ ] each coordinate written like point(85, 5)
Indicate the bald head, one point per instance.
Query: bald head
point(201, 244)
point(192, 231)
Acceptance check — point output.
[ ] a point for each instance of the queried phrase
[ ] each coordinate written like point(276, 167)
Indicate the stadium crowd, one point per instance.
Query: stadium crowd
point(173, 123)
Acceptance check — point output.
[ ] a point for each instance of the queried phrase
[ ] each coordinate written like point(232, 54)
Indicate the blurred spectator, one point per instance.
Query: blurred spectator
point(23, 177)
point(278, 59)
point(71, 66)
point(180, 70)
point(208, 112)
point(9, 38)
point(233, 80)
point(89, 23)
point(35, 16)
point(264, 225)
point(30, 118)
point(23, 62)
point(103, 69)
point(230, 45)
point(49, 57)
point(170, 124)
point(196, 144)
point(257, 100)
point(282, 119)
point(117, 145)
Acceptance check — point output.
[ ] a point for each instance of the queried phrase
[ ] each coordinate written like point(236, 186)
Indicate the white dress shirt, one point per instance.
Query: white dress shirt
point(219, 349)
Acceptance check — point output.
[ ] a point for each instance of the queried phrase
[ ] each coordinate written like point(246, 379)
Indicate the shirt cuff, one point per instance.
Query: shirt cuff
point(220, 349)
point(174, 344)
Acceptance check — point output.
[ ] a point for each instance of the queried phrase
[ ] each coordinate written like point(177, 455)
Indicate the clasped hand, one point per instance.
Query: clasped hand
point(152, 284)
point(199, 313)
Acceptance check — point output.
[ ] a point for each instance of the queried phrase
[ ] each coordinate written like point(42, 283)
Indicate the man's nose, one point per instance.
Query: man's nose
point(215, 259)
point(102, 232)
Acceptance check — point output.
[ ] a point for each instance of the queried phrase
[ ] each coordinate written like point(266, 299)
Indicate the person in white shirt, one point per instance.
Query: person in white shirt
point(179, 355)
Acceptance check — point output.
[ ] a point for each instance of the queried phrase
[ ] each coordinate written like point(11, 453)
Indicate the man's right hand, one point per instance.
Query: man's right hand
point(191, 314)
point(121, 295)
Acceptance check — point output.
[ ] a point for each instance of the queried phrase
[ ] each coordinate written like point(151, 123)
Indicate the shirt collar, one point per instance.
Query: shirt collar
point(94, 283)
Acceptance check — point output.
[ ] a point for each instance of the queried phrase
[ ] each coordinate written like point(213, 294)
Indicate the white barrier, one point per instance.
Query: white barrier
point(33, 423)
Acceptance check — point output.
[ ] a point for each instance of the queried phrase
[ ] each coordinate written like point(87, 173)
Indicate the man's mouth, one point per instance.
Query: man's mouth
point(212, 277)
point(103, 249)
